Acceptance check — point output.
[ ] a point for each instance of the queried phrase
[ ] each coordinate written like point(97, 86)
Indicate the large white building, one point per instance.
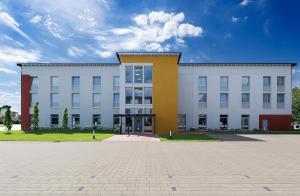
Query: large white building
point(153, 92)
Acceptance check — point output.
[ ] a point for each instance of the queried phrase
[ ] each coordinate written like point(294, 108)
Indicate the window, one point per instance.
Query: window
point(147, 124)
point(54, 120)
point(202, 83)
point(96, 120)
point(75, 120)
point(202, 121)
point(128, 95)
point(182, 121)
point(138, 95)
point(54, 100)
point(54, 84)
point(34, 84)
point(116, 84)
point(267, 83)
point(116, 100)
point(33, 99)
point(138, 111)
point(138, 74)
point(245, 83)
point(147, 95)
point(224, 100)
point(202, 100)
point(75, 83)
point(97, 83)
point(223, 122)
point(245, 122)
point(280, 83)
point(129, 111)
point(75, 100)
point(245, 100)
point(96, 100)
point(129, 74)
point(280, 100)
point(116, 122)
point(224, 83)
point(266, 100)
point(148, 74)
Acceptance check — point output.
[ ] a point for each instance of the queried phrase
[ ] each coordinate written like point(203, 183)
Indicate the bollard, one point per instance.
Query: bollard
point(170, 135)
point(94, 137)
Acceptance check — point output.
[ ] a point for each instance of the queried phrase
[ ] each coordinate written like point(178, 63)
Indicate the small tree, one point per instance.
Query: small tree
point(65, 119)
point(35, 116)
point(7, 119)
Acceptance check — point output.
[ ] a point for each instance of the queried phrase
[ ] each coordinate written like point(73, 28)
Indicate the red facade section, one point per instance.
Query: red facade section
point(25, 101)
point(276, 122)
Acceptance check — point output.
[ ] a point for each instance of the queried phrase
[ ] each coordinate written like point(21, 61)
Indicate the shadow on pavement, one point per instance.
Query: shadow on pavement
point(232, 137)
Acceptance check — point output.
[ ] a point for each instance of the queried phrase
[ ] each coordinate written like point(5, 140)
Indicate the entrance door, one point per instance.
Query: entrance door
point(128, 127)
point(138, 124)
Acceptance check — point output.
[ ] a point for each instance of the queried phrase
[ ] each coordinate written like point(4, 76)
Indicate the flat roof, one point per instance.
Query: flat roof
point(237, 64)
point(148, 54)
point(68, 64)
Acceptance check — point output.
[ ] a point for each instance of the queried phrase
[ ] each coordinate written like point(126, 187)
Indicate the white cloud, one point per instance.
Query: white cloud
point(155, 31)
point(53, 28)
point(9, 21)
point(234, 19)
point(245, 2)
point(8, 84)
point(7, 71)
point(75, 52)
point(12, 99)
point(9, 54)
point(36, 19)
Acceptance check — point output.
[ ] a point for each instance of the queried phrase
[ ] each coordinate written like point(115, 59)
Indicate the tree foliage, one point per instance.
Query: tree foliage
point(65, 119)
point(7, 119)
point(296, 104)
point(35, 116)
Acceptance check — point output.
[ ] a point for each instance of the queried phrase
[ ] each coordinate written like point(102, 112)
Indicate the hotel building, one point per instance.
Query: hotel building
point(155, 93)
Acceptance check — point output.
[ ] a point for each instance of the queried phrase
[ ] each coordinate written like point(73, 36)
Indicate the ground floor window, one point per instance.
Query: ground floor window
point(181, 121)
point(223, 122)
point(96, 120)
point(75, 120)
point(202, 121)
point(147, 124)
point(245, 122)
point(116, 120)
point(54, 120)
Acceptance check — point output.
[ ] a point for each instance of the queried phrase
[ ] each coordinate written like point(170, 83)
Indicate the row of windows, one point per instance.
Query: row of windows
point(138, 95)
point(202, 121)
point(75, 120)
point(138, 74)
point(245, 84)
point(245, 100)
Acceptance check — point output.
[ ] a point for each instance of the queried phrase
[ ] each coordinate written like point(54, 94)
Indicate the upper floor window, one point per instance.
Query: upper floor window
point(97, 83)
point(224, 100)
point(148, 74)
point(280, 100)
point(138, 74)
point(202, 101)
point(75, 83)
point(245, 100)
point(266, 100)
point(116, 83)
point(224, 83)
point(147, 95)
point(75, 100)
point(267, 83)
point(129, 74)
point(280, 83)
point(34, 84)
point(54, 83)
point(138, 95)
point(54, 100)
point(33, 99)
point(116, 100)
point(245, 83)
point(96, 100)
point(128, 95)
point(202, 83)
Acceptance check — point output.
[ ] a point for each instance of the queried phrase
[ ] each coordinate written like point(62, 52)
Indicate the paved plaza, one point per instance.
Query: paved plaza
point(266, 165)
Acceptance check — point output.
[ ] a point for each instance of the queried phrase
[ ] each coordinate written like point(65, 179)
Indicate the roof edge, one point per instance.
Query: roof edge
point(149, 54)
point(287, 63)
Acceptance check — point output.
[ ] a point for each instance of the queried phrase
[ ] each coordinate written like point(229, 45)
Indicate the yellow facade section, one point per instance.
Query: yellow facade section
point(165, 89)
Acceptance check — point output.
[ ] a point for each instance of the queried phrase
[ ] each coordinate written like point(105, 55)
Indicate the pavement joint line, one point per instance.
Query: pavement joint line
point(267, 188)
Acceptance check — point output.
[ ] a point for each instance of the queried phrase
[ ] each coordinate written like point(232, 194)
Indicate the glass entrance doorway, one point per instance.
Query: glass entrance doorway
point(137, 123)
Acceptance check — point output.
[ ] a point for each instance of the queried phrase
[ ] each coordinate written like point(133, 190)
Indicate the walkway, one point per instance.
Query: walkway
point(133, 138)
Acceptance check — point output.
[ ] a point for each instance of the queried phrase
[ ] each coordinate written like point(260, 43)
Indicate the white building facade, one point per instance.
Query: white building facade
point(243, 96)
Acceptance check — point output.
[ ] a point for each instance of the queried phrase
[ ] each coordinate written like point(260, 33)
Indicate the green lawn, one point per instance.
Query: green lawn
point(67, 135)
point(187, 137)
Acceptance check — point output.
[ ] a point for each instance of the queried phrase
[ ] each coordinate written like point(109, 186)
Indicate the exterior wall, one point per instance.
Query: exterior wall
point(25, 101)
point(65, 74)
point(165, 89)
point(276, 122)
point(188, 93)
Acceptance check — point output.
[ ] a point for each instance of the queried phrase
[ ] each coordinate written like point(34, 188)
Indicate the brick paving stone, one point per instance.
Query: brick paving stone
point(267, 165)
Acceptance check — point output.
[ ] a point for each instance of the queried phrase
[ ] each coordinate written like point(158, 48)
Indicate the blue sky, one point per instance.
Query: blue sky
point(93, 30)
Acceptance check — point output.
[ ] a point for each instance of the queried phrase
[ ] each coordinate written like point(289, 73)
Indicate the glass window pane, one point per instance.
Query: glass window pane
point(75, 80)
point(267, 80)
point(75, 120)
point(128, 95)
point(129, 74)
point(34, 84)
point(33, 99)
point(138, 74)
point(148, 74)
point(138, 95)
point(116, 81)
point(54, 99)
point(75, 100)
point(97, 81)
point(224, 83)
point(202, 97)
point(147, 95)
point(96, 120)
point(245, 97)
point(224, 97)
point(96, 99)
